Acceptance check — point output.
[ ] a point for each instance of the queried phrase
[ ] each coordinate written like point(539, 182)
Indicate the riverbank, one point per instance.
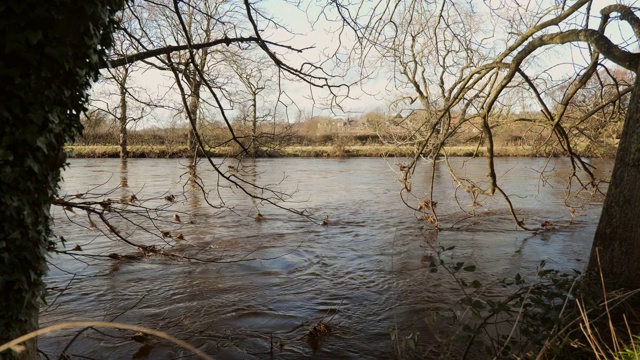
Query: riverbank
point(159, 152)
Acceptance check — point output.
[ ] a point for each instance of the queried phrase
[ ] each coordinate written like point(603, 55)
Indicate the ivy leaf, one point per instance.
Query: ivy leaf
point(32, 164)
point(33, 36)
point(6, 155)
point(42, 144)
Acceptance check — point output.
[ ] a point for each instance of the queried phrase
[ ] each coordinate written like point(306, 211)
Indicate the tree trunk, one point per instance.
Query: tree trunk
point(254, 127)
point(194, 104)
point(24, 239)
point(20, 300)
point(617, 239)
point(51, 51)
point(123, 115)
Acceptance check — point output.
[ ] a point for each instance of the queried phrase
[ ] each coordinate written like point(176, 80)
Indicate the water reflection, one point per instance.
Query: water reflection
point(124, 173)
point(368, 271)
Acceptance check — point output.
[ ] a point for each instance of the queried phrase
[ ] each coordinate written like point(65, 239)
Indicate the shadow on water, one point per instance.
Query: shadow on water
point(364, 275)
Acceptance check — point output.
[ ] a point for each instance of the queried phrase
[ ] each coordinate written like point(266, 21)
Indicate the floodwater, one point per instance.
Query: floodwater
point(239, 288)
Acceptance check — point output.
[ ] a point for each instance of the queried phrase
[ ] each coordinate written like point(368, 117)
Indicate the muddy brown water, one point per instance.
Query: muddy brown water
point(366, 274)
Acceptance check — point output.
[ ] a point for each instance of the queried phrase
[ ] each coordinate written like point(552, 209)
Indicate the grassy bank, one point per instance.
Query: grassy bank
point(160, 151)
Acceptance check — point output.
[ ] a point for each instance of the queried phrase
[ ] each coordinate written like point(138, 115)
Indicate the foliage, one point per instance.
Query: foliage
point(51, 51)
point(518, 323)
point(551, 314)
point(404, 346)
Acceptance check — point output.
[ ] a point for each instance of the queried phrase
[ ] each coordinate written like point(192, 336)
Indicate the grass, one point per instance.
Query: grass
point(332, 151)
point(16, 346)
point(138, 151)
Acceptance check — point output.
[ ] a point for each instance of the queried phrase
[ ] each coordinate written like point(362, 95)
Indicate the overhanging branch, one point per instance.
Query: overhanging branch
point(626, 14)
point(129, 59)
point(606, 47)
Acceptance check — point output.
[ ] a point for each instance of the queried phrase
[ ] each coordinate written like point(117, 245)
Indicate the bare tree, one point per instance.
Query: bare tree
point(508, 52)
point(192, 40)
point(128, 102)
point(596, 113)
point(199, 26)
point(432, 51)
point(121, 74)
point(255, 80)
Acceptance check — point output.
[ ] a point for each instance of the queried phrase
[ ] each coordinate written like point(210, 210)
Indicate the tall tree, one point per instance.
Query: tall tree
point(122, 76)
point(51, 53)
point(255, 80)
point(193, 21)
point(430, 50)
point(191, 39)
point(427, 56)
point(123, 45)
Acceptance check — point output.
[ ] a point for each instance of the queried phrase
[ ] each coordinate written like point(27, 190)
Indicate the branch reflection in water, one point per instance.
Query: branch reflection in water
point(367, 270)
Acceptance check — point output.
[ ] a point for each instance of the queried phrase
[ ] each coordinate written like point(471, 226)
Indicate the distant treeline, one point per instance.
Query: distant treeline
point(178, 137)
point(536, 138)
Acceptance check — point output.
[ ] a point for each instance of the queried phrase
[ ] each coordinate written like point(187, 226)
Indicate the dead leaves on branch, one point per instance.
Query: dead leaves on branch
point(429, 218)
point(118, 220)
point(317, 330)
point(320, 329)
point(427, 205)
point(316, 334)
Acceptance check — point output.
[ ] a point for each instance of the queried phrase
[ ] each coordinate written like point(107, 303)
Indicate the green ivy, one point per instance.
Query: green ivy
point(50, 51)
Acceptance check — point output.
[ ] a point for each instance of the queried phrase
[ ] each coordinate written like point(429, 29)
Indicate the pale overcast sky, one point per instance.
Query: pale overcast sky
point(311, 29)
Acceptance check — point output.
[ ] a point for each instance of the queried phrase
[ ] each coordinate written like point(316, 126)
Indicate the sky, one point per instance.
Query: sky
point(308, 30)
point(311, 29)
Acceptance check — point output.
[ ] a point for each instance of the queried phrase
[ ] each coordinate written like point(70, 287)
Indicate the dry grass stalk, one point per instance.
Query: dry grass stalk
point(16, 346)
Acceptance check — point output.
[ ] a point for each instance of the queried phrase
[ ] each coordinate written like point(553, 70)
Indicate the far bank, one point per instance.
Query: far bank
point(334, 151)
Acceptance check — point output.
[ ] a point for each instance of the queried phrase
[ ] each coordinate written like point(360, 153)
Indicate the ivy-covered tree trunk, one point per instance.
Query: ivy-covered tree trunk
point(51, 50)
point(616, 246)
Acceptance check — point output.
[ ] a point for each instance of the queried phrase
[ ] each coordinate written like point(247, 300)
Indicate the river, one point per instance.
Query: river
point(267, 282)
